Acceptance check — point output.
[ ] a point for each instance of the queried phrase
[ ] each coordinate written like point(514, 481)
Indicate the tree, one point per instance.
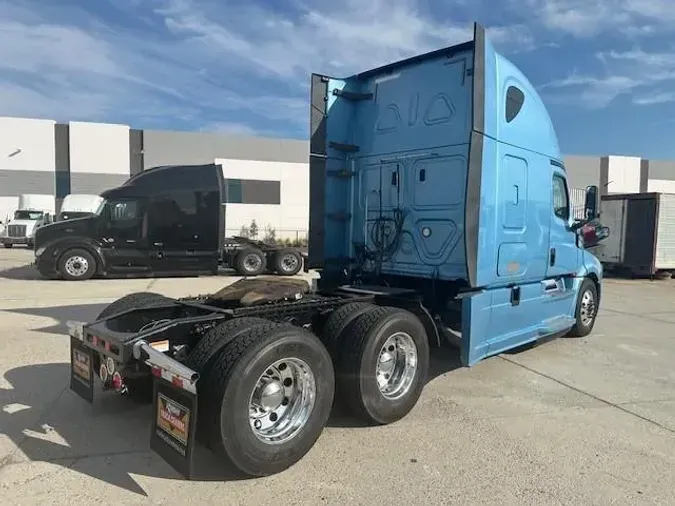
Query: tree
point(253, 229)
point(270, 235)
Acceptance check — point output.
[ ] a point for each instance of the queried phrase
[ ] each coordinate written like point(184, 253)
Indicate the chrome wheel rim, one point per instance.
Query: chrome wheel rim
point(77, 266)
point(252, 262)
point(587, 308)
point(289, 263)
point(396, 366)
point(282, 401)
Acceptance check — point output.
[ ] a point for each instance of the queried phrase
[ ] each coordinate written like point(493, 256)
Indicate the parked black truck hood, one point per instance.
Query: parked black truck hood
point(77, 227)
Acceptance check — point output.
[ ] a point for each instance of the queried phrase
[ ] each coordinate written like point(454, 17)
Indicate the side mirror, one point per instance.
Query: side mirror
point(591, 203)
point(593, 234)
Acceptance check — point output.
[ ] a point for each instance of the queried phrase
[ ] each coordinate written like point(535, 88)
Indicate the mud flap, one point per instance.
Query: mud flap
point(174, 423)
point(81, 370)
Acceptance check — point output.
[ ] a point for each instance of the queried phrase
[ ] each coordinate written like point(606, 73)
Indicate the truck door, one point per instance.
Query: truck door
point(563, 253)
point(180, 239)
point(121, 235)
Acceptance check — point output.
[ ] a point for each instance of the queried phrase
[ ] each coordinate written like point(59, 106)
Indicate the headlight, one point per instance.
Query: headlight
point(39, 252)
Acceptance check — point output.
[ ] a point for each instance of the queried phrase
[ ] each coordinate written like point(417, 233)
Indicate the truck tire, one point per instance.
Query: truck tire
point(287, 262)
point(8, 245)
point(586, 309)
point(133, 300)
point(383, 364)
point(77, 265)
point(250, 262)
point(338, 320)
point(215, 339)
point(139, 389)
point(262, 419)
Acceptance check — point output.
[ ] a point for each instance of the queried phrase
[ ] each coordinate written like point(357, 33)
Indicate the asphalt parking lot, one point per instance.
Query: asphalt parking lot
point(588, 421)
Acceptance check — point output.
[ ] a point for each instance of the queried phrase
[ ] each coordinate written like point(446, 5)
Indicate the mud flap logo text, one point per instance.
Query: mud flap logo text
point(81, 366)
point(173, 419)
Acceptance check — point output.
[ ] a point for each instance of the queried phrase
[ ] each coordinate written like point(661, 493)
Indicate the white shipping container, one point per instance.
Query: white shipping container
point(642, 232)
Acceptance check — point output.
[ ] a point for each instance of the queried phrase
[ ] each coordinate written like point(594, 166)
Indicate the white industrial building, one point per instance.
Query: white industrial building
point(268, 179)
point(274, 194)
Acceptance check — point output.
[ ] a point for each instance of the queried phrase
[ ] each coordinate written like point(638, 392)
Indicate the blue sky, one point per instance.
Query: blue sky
point(606, 68)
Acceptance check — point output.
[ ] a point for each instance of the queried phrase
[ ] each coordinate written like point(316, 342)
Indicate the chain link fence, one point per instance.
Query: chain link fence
point(578, 203)
point(285, 237)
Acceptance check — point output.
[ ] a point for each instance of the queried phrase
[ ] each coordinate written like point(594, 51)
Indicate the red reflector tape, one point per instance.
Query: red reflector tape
point(178, 381)
point(156, 372)
point(94, 340)
point(107, 346)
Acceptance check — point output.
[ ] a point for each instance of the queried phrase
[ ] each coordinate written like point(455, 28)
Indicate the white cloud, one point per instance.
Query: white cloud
point(655, 99)
point(592, 92)
point(206, 62)
point(585, 19)
point(339, 38)
point(632, 72)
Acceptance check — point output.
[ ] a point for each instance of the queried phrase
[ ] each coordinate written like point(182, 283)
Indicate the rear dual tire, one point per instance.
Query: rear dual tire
point(250, 262)
point(287, 262)
point(266, 398)
point(253, 262)
point(382, 364)
point(267, 388)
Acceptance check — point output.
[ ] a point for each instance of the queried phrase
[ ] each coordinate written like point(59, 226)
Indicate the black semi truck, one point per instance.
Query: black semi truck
point(164, 221)
point(439, 213)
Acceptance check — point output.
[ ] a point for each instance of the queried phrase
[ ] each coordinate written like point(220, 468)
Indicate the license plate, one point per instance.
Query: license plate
point(81, 370)
point(174, 422)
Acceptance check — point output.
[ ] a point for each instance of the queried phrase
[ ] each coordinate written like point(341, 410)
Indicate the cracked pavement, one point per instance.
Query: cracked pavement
point(587, 421)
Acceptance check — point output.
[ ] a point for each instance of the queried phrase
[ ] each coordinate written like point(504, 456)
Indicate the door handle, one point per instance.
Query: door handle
point(550, 285)
point(552, 259)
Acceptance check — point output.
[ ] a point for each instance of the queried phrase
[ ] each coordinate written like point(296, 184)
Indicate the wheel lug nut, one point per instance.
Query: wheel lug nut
point(273, 417)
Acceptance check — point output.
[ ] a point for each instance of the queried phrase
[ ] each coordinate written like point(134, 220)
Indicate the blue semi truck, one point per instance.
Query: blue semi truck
point(439, 215)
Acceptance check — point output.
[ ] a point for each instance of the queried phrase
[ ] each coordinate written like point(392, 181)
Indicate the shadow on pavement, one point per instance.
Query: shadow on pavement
point(21, 273)
point(47, 422)
point(81, 312)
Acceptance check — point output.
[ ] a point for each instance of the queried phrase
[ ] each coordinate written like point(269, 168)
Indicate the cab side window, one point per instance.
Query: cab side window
point(561, 201)
point(124, 218)
point(123, 211)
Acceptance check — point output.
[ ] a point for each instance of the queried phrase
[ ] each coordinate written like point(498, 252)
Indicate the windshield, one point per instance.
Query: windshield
point(71, 215)
point(100, 207)
point(28, 215)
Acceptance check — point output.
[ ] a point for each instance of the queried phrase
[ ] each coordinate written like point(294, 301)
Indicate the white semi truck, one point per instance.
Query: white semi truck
point(79, 205)
point(34, 211)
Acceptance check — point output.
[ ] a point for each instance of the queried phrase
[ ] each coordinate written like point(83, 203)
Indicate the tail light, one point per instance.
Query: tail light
point(117, 382)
